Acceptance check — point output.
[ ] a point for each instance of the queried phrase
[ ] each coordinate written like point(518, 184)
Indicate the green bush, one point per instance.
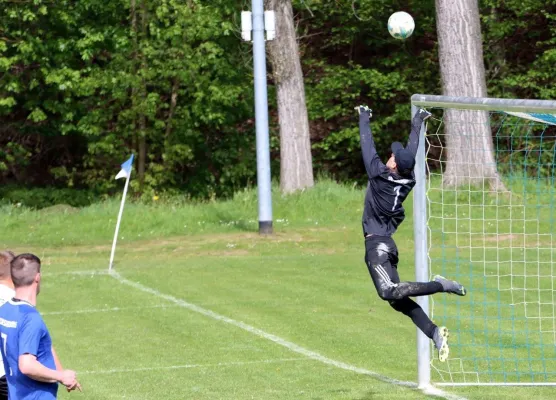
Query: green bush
point(46, 197)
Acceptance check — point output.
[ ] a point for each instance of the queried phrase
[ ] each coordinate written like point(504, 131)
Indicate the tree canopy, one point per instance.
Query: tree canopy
point(84, 84)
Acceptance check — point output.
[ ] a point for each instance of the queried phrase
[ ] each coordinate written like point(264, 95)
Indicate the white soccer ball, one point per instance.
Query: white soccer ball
point(401, 25)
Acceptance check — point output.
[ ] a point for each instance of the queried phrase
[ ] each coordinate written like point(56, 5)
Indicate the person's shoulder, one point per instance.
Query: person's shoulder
point(14, 314)
point(31, 318)
point(24, 310)
point(30, 312)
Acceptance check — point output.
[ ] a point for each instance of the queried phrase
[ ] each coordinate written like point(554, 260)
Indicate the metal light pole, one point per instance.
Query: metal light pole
point(261, 119)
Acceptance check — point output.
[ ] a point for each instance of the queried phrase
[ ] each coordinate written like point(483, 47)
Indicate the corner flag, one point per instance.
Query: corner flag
point(125, 172)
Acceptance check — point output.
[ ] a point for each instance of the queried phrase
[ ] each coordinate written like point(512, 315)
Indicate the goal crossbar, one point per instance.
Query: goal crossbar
point(484, 103)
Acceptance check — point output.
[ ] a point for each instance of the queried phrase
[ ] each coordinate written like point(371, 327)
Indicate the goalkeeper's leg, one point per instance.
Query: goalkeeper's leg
point(380, 253)
point(439, 335)
point(414, 311)
point(381, 257)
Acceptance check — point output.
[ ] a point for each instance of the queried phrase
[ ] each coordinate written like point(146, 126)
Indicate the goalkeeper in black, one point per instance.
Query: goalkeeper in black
point(388, 187)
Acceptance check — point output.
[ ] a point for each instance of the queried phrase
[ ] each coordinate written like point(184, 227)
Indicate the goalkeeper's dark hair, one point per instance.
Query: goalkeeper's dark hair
point(25, 268)
point(406, 173)
point(6, 258)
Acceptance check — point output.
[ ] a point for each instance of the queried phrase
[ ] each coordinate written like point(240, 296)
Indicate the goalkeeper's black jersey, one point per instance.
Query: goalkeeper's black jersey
point(383, 211)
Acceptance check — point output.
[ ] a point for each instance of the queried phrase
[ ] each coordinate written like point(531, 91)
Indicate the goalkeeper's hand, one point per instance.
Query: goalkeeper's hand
point(364, 109)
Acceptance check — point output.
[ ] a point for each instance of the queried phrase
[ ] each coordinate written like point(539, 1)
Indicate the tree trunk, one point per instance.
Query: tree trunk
point(470, 157)
point(173, 103)
point(296, 164)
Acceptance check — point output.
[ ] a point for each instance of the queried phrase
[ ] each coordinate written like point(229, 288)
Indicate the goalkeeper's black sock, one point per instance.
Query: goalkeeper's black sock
point(410, 308)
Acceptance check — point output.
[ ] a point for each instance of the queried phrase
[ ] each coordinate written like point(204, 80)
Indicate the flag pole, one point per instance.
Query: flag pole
point(118, 223)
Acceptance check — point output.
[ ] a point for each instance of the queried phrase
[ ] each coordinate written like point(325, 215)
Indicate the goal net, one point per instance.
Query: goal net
point(489, 198)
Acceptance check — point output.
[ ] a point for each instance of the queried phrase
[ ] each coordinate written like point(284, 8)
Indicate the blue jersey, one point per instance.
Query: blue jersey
point(23, 331)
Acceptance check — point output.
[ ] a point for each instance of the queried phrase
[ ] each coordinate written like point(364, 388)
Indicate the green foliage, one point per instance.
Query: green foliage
point(524, 149)
point(519, 39)
point(37, 198)
point(13, 156)
point(351, 59)
point(166, 78)
point(332, 98)
point(84, 84)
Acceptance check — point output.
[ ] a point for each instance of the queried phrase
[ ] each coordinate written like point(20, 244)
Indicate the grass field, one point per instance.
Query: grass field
point(201, 307)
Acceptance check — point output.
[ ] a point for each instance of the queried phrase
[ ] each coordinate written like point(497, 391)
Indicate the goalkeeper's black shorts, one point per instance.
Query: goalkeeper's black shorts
point(3, 388)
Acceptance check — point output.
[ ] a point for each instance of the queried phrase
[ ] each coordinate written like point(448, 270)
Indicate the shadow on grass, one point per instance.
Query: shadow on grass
point(370, 395)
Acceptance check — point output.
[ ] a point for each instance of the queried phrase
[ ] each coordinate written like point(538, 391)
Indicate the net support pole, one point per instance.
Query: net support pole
point(421, 258)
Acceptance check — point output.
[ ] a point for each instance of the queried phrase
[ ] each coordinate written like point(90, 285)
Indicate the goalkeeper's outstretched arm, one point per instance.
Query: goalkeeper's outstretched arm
point(418, 119)
point(372, 162)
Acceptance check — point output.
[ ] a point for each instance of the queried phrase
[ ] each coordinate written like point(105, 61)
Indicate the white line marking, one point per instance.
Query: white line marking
point(282, 342)
point(100, 310)
point(224, 364)
point(89, 273)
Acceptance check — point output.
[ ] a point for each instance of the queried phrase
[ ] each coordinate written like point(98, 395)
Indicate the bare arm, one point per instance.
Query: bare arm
point(32, 327)
point(30, 366)
point(59, 367)
point(56, 360)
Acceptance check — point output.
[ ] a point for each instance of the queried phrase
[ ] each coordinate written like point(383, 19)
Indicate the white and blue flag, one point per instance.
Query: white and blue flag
point(125, 172)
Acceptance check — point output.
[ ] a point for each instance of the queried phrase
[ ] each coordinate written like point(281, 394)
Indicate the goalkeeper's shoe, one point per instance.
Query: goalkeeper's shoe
point(364, 109)
point(440, 339)
point(423, 114)
point(449, 286)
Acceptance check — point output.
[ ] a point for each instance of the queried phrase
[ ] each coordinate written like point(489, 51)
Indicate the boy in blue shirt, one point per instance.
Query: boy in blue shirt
point(26, 348)
point(6, 293)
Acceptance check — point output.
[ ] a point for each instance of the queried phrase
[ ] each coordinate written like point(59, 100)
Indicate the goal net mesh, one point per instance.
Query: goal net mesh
point(496, 238)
